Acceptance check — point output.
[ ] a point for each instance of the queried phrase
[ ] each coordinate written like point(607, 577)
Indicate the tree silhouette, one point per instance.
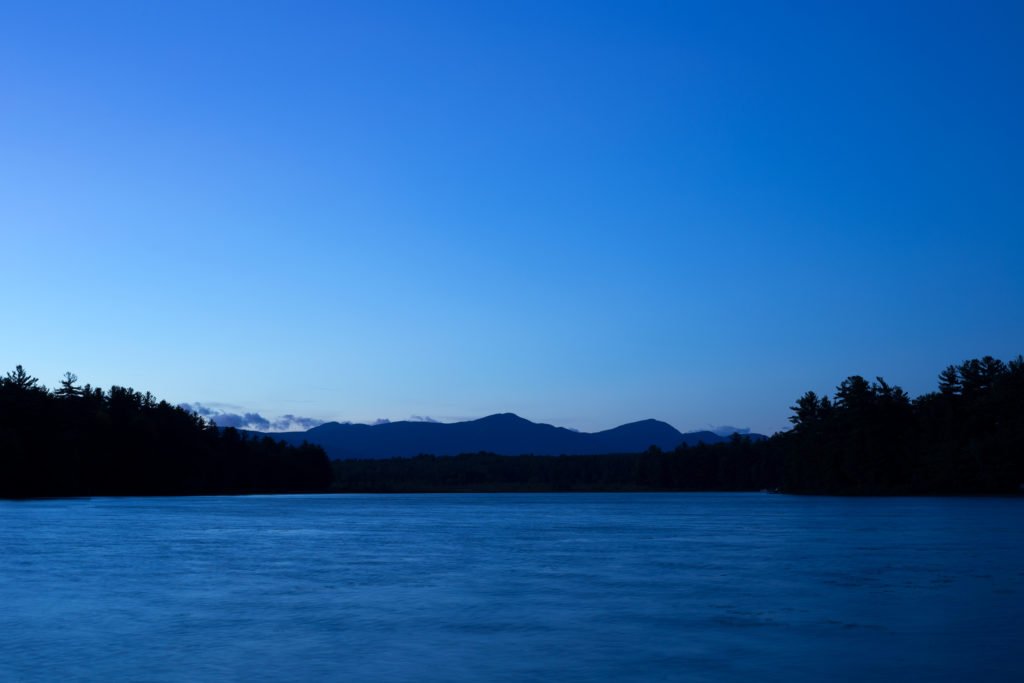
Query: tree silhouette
point(20, 380)
point(67, 386)
point(84, 441)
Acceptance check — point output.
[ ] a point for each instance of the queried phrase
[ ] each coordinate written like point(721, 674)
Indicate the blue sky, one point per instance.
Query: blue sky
point(584, 213)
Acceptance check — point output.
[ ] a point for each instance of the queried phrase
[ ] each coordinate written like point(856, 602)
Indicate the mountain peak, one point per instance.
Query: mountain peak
point(503, 418)
point(501, 433)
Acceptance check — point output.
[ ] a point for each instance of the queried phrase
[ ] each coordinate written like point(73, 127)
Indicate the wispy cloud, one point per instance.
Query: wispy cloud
point(422, 418)
point(252, 421)
point(291, 422)
point(728, 430)
point(197, 408)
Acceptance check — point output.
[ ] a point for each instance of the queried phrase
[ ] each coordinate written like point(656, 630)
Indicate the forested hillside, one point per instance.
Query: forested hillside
point(81, 440)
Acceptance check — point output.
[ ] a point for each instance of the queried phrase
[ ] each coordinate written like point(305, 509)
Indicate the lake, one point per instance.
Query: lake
point(512, 587)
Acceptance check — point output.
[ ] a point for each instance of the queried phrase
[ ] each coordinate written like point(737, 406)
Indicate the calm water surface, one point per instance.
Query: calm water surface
point(568, 587)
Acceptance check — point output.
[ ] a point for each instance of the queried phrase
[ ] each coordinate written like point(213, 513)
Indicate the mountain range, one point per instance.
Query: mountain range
point(503, 433)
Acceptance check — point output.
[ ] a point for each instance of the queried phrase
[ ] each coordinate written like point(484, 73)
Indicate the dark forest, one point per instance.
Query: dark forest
point(83, 441)
point(869, 438)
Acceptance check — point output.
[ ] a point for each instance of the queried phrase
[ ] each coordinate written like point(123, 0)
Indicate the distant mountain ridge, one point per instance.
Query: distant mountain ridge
point(502, 433)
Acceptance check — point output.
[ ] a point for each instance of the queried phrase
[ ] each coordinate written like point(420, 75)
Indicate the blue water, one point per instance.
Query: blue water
point(510, 587)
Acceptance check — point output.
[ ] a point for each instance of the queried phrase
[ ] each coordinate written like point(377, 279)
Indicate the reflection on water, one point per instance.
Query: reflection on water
point(570, 587)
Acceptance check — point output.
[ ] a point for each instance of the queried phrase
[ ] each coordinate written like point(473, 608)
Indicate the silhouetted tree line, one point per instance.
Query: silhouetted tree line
point(739, 465)
point(868, 439)
point(83, 441)
point(871, 438)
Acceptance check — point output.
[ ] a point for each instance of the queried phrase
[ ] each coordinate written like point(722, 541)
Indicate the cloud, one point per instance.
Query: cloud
point(257, 419)
point(728, 430)
point(225, 419)
point(380, 421)
point(251, 421)
point(197, 408)
point(422, 418)
point(291, 422)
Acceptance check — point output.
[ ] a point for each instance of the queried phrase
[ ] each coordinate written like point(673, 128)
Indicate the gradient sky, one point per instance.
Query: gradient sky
point(585, 213)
